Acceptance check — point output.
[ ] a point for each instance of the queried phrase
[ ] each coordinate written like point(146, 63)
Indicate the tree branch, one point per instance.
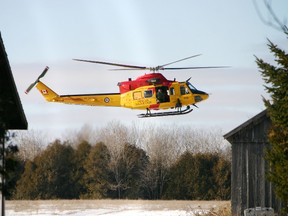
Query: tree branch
point(275, 23)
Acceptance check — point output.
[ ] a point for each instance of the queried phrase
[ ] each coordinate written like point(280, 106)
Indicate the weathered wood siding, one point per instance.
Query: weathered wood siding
point(250, 187)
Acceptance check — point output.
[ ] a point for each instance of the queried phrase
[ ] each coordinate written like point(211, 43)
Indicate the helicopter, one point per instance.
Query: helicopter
point(151, 91)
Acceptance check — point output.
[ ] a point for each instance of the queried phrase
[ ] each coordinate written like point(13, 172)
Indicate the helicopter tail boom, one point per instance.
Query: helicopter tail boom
point(110, 99)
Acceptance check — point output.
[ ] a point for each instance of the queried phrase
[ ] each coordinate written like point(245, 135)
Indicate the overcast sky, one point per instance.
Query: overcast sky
point(149, 33)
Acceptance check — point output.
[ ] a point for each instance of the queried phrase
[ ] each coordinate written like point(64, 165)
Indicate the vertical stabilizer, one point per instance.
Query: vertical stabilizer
point(47, 93)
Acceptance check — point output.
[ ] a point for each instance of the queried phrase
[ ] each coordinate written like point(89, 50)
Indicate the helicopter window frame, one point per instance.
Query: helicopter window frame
point(172, 91)
point(137, 95)
point(148, 93)
point(182, 90)
point(191, 87)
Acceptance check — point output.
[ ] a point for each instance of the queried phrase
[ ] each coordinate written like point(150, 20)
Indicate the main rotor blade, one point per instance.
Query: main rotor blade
point(113, 64)
point(154, 69)
point(186, 68)
point(128, 69)
point(180, 60)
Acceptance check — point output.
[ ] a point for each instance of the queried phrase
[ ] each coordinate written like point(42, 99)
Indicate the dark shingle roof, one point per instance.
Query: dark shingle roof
point(11, 112)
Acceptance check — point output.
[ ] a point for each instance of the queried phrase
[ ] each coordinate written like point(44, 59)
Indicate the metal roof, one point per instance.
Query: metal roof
point(11, 111)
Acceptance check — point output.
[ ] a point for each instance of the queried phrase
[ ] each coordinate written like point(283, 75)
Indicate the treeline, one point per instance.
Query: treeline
point(158, 168)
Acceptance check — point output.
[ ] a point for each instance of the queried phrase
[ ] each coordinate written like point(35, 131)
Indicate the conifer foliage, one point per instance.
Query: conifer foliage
point(276, 79)
point(199, 176)
point(81, 170)
point(49, 175)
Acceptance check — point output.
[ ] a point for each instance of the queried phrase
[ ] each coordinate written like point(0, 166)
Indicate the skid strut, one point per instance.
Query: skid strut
point(169, 113)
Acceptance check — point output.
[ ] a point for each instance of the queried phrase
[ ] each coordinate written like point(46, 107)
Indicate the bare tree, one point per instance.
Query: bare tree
point(30, 143)
point(162, 146)
point(165, 143)
point(272, 19)
point(115, 136)
point(86, 133)
point(204, 140)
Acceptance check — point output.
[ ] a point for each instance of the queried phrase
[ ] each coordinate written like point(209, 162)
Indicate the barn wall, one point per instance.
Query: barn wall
point(250, 187)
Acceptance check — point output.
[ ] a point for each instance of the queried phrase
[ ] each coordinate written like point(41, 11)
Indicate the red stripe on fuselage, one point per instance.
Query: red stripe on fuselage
point(154, 106)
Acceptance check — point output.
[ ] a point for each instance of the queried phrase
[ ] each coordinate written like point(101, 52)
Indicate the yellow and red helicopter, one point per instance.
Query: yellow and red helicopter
point(148, 92)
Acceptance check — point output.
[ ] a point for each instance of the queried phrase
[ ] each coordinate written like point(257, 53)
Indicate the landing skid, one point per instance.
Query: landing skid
point(171, 113)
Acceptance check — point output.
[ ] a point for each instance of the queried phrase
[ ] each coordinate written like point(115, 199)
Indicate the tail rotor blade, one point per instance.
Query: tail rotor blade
point(43, 73)
point(30, 87)
point(37, 80)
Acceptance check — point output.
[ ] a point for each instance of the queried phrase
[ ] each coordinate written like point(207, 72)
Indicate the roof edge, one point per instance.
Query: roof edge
point(253, 119)
point(22, 124)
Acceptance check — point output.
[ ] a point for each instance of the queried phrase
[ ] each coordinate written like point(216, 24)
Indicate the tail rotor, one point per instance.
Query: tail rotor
point(37, 80)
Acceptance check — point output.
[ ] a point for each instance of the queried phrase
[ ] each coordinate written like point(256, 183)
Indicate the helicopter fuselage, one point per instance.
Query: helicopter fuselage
point(173, 94)
point(148, 92)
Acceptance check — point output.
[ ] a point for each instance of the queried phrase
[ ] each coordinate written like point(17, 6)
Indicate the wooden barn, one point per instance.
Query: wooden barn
point(250, 188)
point(12, 116)
point(11, 112)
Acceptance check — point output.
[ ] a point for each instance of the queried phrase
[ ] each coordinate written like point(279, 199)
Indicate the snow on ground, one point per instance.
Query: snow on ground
point(111, 207)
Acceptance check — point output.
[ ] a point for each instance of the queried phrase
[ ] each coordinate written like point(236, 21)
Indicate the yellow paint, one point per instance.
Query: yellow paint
point(141, 98)
point(90, 100)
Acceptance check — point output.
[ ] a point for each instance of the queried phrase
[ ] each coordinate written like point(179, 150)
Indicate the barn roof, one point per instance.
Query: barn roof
point(11, 111)
point(250, 123)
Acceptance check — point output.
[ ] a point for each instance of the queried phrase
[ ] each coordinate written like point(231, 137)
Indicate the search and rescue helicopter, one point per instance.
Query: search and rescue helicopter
point(151, 91)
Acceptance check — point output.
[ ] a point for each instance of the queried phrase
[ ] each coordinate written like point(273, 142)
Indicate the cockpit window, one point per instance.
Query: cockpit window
point(148, 93)
point(182, 90)
point(191, 87)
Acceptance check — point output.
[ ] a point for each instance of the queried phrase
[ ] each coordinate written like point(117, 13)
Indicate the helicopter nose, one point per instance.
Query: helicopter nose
point(205, 96)
point(200, 96)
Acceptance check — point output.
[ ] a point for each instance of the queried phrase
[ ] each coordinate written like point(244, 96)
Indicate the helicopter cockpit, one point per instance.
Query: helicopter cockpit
point(199, 95)
point(191, 87)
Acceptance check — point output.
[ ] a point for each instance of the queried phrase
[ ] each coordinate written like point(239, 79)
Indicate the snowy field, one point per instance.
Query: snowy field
point(111, 207)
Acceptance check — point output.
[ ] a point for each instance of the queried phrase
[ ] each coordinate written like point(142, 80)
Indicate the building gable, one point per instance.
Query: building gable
point(11, 112)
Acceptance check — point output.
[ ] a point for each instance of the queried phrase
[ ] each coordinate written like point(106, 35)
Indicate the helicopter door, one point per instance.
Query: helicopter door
point(184, 94)
point(162, 94)
point(172, 94)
